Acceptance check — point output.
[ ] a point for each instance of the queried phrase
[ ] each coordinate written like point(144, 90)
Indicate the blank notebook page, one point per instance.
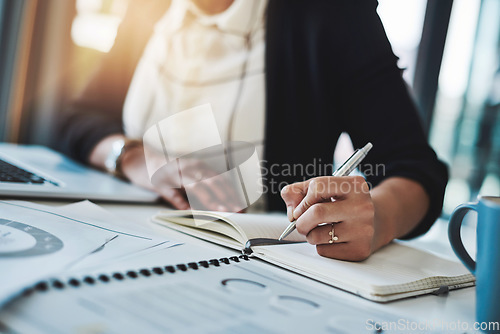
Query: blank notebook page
point(269, 226)
point(395, 268)
point(252, 225)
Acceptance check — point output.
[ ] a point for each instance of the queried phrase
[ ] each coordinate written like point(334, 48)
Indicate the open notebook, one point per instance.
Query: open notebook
point(394, 272)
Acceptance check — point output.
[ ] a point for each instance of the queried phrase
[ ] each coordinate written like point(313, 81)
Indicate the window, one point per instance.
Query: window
point(403, 22)
point(466, 125)
point(96, 23)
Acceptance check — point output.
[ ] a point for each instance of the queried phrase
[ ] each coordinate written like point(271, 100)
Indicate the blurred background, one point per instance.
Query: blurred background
point(450, 50)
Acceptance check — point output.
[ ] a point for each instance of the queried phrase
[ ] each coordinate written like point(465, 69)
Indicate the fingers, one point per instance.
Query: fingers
point(292, 195)
point(201, 198)
point(214, 194)
point(223, 195)
point(322, 189)
point(206, 190)
point(195, 171)
point(357, 209)
point(344, 233)
point(352, 214)
point(227, 193)
point(350, 244)
point(174, 197)
point(327, 234)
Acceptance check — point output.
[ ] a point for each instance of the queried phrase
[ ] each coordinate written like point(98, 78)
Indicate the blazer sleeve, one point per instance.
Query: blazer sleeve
point(97, 111)
point(330, 68)
point(378, 108)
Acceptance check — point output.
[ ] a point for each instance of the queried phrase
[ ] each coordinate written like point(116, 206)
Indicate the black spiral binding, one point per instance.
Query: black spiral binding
point(58, 284)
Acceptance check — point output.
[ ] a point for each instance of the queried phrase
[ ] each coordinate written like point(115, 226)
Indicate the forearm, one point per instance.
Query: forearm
point(400, 205)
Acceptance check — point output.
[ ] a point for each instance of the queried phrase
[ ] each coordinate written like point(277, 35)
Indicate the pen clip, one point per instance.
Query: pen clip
point(338, 170)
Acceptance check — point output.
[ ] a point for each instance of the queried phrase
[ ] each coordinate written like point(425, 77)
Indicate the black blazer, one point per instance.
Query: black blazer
point(329, 69)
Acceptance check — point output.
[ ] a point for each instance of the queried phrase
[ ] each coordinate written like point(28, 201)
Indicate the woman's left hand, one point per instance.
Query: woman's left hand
point(342, 205)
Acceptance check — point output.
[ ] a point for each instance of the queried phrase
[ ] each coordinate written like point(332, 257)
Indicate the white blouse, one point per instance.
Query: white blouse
point(193, 59)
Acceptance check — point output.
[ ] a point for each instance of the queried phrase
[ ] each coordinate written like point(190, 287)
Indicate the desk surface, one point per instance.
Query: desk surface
point(458, 305)
point(445, 313)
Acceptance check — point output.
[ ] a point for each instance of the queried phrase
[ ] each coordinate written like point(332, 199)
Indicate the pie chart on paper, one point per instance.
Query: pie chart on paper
point(23, 240)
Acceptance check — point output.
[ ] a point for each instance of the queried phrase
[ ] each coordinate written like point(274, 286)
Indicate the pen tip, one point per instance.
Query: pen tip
point(368, 147)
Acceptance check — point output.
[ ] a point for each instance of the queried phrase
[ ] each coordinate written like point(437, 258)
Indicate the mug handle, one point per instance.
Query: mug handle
point(456, 220)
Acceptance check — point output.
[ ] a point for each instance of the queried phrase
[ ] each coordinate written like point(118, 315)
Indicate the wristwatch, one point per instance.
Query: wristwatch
point(118, 150)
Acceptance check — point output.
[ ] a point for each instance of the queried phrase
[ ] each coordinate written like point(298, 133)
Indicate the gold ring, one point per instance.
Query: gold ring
point(332, 234)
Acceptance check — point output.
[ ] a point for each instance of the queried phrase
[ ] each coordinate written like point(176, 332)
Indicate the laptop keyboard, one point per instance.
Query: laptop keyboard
point(14, 174)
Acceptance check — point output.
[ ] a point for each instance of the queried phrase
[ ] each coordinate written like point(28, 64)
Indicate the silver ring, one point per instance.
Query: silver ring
point(332, 234)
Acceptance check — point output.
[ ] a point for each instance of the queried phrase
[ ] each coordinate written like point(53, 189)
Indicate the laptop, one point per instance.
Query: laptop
point(39, 172)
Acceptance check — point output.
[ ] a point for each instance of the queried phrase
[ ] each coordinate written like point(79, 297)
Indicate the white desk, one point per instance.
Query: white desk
point(457, 305)
point(445, 313)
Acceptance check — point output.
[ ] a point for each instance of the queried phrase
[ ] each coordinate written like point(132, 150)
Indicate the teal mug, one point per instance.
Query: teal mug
point(486, 268)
